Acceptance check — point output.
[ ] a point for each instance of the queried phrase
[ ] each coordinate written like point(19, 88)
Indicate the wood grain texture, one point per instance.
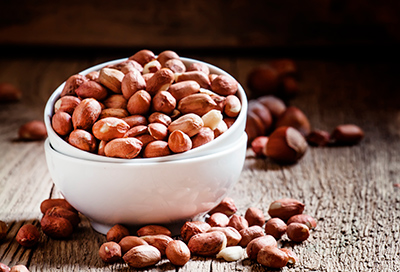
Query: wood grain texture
point(349, 190)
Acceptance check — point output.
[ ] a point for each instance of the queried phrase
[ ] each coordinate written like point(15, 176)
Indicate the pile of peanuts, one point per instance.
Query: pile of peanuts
point(59, 221)
point(224, 234)
point(146, 106)
point(283, 132)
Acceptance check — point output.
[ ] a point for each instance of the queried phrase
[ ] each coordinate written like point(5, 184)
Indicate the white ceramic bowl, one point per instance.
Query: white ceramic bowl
point(146, 193)
point(231, 135)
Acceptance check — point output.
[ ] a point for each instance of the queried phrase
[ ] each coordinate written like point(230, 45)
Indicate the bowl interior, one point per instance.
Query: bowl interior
point(232, 134)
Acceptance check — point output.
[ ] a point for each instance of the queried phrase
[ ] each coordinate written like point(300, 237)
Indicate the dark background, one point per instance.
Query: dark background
point(310, 28)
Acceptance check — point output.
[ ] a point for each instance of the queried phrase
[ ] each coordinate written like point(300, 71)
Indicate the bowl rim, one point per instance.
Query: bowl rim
point(49, 111)
point(222, 152)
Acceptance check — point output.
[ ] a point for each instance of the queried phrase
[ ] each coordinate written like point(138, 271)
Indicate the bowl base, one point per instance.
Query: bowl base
point(174, 227)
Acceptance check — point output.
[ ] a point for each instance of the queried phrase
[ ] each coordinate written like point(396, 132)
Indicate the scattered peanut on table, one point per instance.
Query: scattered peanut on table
point(272, 126)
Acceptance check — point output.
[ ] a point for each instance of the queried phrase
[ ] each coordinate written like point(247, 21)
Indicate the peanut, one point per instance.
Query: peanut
point(213, 119)
point(110, 252)
point(294, 117)
point(285, 208)
point(111, 78)
point(238, 222)
point(92, 89)
point(207, 244)
point(232, 106)
point(156, 148)
point(139, 103)
point(275, 227)
point(218, 220)
point(153, 230)
point(67, 104)
point(116, 101)
point(158, 117)
point(32, 131)
point(254, 216)
point(304, 219)
point(131, 83)
point(116, 233)
point(109, 128)
point(151, 67)
point(112, 112)
point(127, 148)
point(134, 120)
point(318, 138)
point(3, 230)
point(72, 83)
point(177, 252)
point(197, 103)
point(347, 134)
point(231, 254)
point(62, 123)
point(293, 259)
point(189, 123)
point(272, 257)
point(199, 76)
point(232, 235)
point(255, 245)
point(226, 206)
point(129, 242)
point(56, 227)
point(86, 113)
point(143, 56)
point(192, 228)
point(60, 202)
point(175, 65)
point(199, 66)
point(9, 93)
point(259, 146)
point(4, 268)
point(28, 235)
point(142, 256)
point(286, 145)
point(59, 211)
point(160, 81)
point(249, 234)
point(166, 55)
point(205, 135)
point(275, 105)
point(182, 89)
point(179, 142)
point(297, 232)
point(164, 102)
point(19, 268)
point(83, 140)
point(160, 241)
point(224, 85)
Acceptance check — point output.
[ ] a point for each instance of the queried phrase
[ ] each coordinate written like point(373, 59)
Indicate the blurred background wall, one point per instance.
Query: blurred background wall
point(219, 25)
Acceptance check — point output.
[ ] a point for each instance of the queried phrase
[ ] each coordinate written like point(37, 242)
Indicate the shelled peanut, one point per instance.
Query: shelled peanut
point(227, 235)
point(146, 106)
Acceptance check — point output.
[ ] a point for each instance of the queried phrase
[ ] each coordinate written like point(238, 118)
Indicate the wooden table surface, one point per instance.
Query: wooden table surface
point(351, 191)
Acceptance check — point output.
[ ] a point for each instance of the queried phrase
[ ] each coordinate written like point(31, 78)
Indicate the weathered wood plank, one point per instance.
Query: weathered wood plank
point(349, 190)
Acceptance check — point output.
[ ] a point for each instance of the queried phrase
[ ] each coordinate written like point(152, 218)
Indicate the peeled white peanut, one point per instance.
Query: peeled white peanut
point(212, 119)
point(231, 254)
